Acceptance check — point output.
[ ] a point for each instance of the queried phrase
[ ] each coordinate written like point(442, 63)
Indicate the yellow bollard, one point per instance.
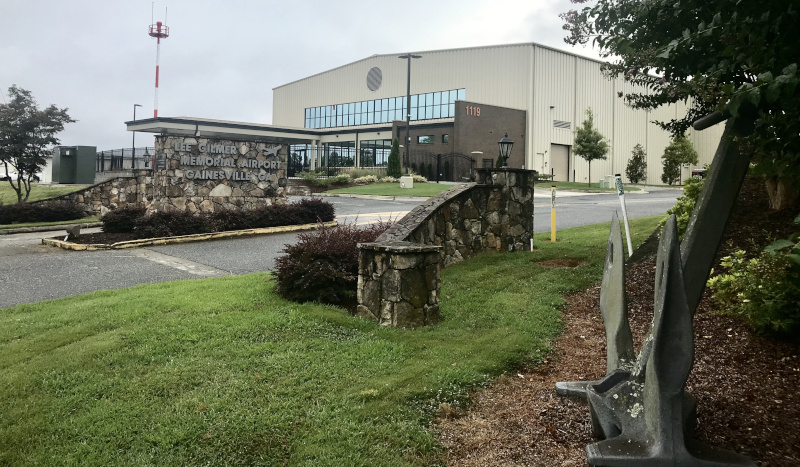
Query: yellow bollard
point(553, 213)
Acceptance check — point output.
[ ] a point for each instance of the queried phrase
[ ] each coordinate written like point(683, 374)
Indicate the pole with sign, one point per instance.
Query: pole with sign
point(621, 194)
point(553, 213)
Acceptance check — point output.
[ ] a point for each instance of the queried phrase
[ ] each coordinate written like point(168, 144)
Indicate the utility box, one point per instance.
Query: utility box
point(406, 181)
point(74, 164)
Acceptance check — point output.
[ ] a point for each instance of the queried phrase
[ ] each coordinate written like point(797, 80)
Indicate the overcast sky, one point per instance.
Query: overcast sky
point(222, 59)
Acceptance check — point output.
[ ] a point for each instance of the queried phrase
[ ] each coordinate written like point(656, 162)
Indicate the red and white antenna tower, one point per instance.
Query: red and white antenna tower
point(159, 31)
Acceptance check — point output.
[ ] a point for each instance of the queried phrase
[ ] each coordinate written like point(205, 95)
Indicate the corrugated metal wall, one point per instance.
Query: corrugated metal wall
point(549, 84)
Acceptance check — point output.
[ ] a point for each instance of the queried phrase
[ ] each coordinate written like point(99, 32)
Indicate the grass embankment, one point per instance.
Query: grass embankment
point(581, 186)
point(38, 192)
point(223, 371)
point(394, 189)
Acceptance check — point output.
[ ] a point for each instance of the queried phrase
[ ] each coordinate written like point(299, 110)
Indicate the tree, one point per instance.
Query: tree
point(393, 168)
point(636, 171)
point(27, 135)
point(499, 162)
point(729, 55)
point(679, 152)
point(590, 144)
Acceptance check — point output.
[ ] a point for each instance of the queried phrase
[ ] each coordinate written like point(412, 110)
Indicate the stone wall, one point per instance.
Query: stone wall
point(115, 193)
point(493, 214)
point(201, 174)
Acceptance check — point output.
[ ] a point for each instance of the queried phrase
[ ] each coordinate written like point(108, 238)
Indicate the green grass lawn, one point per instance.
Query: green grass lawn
point(224, 372)
point(38, 192)
point(582, 186)
point(393, 189)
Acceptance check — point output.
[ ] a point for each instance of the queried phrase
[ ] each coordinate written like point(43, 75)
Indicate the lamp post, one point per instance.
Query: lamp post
point(408, 57)
point(505, 145)
point(133, 142)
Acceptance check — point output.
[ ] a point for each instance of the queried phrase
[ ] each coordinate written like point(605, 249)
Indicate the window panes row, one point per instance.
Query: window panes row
point(426, 106)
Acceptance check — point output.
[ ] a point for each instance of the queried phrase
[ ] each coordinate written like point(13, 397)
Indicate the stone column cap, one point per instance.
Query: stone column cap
point(399, 247)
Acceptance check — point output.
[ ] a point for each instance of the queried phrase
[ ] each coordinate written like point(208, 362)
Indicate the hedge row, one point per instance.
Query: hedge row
point(40, 212)
point(167, 224)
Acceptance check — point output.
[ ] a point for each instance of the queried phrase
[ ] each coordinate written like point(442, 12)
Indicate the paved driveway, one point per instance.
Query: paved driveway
point(31, 272)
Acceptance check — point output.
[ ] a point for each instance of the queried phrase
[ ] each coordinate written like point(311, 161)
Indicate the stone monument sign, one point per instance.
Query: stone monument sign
point(204, 174)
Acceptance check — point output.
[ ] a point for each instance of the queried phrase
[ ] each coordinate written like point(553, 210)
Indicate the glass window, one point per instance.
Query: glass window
point(428, 113)
point(370, 118)
point(413, 113)
point(453, 96)
point(446, 111)
point(445, 138)
point(391, 104)
point(358, 107)
point(384, 117)
point(428, 139)
point(414, 100)
point(452, 110)
point(437, 98)
point(351, 119)
point(461, 94)
point(357, 119)
point(378, 105)
point(437, 111)
point(338, 120)
point(371, 107)
point(428, 99)
point(327, 122)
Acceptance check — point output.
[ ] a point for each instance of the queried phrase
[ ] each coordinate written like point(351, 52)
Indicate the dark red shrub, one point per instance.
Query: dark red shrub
point(169, 224)
point(40, 212)
point(323, 265)
point(122, 220)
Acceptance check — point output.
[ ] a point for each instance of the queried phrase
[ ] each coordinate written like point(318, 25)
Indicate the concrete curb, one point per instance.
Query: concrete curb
point(183, 238)
point(375, 197)
point(48, 228)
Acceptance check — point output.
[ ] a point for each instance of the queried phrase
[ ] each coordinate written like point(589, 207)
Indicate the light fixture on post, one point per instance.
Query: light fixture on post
point(505, 145)
point(408, 57)
point(133, 142)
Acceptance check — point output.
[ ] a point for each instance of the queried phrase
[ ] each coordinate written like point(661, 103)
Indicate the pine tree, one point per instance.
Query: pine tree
point(590, 144)
point(393, 168)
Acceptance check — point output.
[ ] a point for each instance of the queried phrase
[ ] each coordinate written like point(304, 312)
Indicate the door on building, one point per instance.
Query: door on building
point(559, 162)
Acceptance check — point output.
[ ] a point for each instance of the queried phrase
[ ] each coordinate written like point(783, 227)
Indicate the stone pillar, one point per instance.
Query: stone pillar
point(398, 283)
point(515, 203)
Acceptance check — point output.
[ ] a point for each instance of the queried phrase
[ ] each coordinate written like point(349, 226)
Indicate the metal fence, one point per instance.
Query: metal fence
point(113, 160)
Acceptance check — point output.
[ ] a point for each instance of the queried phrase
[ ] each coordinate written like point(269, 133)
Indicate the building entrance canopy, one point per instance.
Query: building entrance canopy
point(221, 129)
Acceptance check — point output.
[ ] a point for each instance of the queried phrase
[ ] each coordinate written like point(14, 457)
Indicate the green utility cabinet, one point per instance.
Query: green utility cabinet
point(74, 164)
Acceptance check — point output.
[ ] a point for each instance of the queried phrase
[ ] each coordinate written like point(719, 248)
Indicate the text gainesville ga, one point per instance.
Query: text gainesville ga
point(233, 176)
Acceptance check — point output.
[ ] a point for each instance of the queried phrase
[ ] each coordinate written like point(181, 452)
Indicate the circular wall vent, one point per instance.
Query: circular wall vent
point(374, 79)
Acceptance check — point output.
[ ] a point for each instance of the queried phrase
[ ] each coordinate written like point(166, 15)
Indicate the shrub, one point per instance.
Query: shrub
point(365, 180)
point(168, 224)
point(765, 290)
point(358, 173)
point(318, 210)
point(322, 181)
point(40, 212)
point(636, 171)
point(122, 220)
point(323, 265)
point(419, 178)
point(388, 179)
point(685, 205)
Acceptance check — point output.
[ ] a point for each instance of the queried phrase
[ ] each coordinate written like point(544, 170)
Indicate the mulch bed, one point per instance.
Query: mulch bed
point(746, 385)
